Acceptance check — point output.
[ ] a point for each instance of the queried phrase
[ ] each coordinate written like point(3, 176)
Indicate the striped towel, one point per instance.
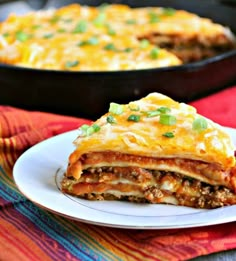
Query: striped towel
point(29, 233)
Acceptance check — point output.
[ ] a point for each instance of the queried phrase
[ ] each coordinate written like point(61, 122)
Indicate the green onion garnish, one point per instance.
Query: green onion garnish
point(168, 135)
point(199, 124)
point(151, 114)
point(130, 21)
point(84, 128)
point(5, 34)
point(134, 117)
point(169, 11)
point(61, 30)
point(48, 36)
point(91, 41)
point(96, 127)
point(128, 50)
point(116, 108)
point(154, 53)
point(111, 119)
point(157, 112)
point(164, 109)
point(82, 43)
point(70, 64)
point(153, 18)
point(167, 119)
point(144, 43)
point(110, 30)
point(81, 27)
point(110, 47)
point(36, 26)
point(89, 130)
point(100, 19)
point(54, 19)
point(21, 36)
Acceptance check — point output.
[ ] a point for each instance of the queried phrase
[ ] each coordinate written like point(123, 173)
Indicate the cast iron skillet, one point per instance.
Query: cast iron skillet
point(88, 94)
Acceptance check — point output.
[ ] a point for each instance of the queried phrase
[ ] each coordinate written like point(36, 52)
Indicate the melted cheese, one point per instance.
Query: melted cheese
point(145, 137)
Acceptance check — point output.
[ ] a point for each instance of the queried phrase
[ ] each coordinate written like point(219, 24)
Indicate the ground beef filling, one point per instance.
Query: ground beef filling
point(142, 185)
point(191, 49)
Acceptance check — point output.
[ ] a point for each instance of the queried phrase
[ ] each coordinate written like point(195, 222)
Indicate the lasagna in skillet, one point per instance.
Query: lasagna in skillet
point(110, 38)
point(153, 150)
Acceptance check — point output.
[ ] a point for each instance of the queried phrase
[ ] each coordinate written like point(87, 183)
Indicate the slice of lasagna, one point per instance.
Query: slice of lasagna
point(153, 150)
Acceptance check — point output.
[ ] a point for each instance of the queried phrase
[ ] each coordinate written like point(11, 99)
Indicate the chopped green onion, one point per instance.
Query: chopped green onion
point(110, 30)
point(168, 135)
point(199, 124)
point(91, 41)
point(70, 64)
point(134, 117)
point(100, 19)
point(54, 19)
point(144, 43)
point(116, 108)
point(82, 43)
point(153, 18)
point(84, 128)
point(36, 26)
point(157, 112)
point(167, 119)
point(128, 50)
point(110, 47)
point(164, 109)
point(169, 11)
point(5, 34)
point(96, 127)
point(89, 130)
point(81, 27)
point(21, 36)
point(130, 21)
point(111, 119)
point(154, 53)
point(48, 36)
point(151, 114)
point(61, 30)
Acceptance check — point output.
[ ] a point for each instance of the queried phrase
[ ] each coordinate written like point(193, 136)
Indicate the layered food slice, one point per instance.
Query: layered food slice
point(153, 150)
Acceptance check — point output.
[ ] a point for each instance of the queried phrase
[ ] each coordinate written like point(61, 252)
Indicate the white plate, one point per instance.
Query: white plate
point(38, 172)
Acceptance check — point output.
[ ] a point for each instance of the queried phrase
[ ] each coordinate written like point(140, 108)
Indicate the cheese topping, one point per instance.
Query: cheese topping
point(145, 137)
